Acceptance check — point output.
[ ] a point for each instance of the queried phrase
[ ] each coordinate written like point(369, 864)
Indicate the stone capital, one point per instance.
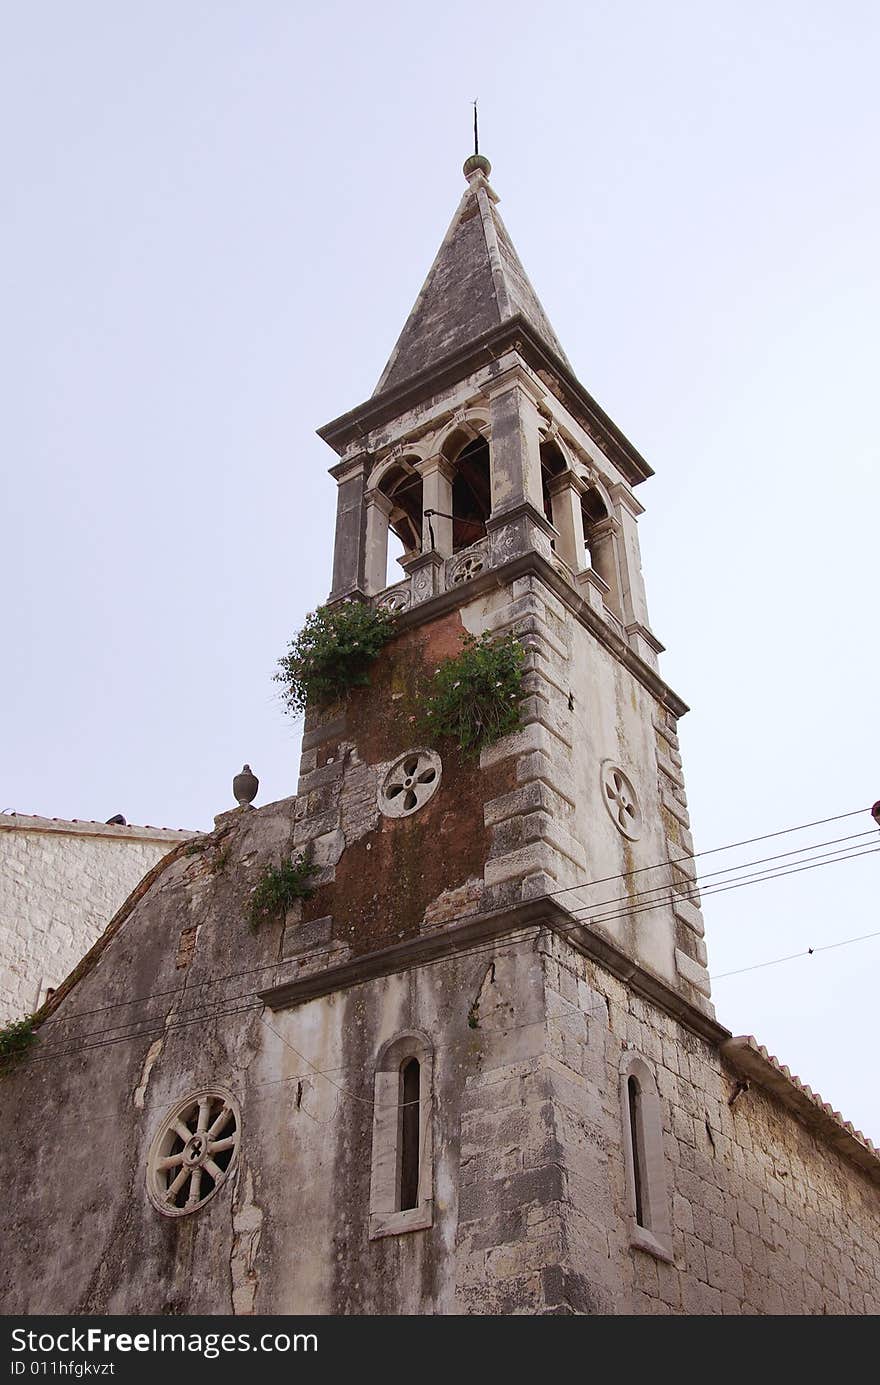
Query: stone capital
point(359, 463)
point(567, 480)
point(609, 527)
point(438, 464)
point(623, 496)
point(380, 501)
point(515, 375)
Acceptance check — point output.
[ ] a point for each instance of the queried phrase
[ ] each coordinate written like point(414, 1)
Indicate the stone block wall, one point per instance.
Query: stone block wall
point(60, 884)
point(528, 1030)
point(766, 1216)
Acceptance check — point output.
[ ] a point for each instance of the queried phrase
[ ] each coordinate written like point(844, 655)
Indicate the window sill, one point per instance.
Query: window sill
point(642, 1239)
point(398, 1223)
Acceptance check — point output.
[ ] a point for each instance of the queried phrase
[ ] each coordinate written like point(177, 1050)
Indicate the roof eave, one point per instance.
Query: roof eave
point(515, 332)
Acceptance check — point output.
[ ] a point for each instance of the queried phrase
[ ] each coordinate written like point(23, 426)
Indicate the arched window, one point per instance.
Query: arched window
point(552, 464)
point(601, 544)
point(408, 1172)
point(394, 511)
point(471, 492)
point(403, 487)
point(645, 1165)
point(401, 1182)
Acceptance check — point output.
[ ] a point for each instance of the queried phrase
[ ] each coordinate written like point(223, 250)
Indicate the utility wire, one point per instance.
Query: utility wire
point(579, 917)
point(793, 956)
point(694, 883)
point(693, 894)
point(624, 875)
point(147, 1026)
point(505, 1029)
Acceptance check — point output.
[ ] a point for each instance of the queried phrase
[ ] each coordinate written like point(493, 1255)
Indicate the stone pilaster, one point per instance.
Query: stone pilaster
point(378, 512)
point(350, 543)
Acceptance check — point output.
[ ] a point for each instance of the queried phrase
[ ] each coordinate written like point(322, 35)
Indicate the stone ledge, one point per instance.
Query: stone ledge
point(533, 563)
point(752, 1060)
point(540, 914)
point(517, 334)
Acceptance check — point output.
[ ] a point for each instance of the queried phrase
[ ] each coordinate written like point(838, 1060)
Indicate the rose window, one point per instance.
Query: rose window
point(395, 601)
point(468, 568)
point(409, 783)
point(193, 1152)
point(620, 799)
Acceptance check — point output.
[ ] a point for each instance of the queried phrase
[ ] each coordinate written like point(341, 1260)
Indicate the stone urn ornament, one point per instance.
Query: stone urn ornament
point(244, 787)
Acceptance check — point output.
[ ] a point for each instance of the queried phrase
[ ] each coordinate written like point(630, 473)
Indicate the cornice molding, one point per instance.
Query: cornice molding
point(516, 333)
point(462, 937)
point(532, 563)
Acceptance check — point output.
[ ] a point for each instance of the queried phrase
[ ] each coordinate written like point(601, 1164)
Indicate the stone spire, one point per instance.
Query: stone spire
point(475, 284)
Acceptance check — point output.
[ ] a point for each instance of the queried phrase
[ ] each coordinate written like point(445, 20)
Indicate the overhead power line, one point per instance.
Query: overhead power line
point(553, 894)
point(794, 956)
point(146, 1026)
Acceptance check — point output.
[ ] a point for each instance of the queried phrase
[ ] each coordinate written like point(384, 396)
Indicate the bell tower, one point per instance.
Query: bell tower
point(502, 943)
point(513, 496)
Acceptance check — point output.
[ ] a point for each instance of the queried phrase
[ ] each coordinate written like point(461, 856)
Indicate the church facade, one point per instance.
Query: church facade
point(478, 1070)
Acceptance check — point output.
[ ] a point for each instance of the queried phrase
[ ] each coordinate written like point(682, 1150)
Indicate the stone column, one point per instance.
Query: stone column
point(378, 508)
point(516, 445)
point(348, 550)
point(604, 536)
point(634, 602)
point(634, 607)
point(437, 473)
point(566, 491)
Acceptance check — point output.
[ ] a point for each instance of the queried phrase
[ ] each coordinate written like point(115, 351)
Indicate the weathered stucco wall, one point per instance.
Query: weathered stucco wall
point(60, 883)
point(528, 1189)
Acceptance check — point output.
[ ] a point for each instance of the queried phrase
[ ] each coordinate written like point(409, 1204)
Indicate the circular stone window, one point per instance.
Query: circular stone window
point(620, 799)
point(409, 783)
point(193, 1152)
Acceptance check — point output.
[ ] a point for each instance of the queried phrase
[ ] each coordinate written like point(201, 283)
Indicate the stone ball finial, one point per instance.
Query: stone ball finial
point(477, 163)
point(244, 787)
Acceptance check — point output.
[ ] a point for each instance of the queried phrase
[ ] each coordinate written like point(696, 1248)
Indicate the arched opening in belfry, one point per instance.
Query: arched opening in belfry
point(593, 510)
point(601, 545)
point(471, 494)
point(402, 485)
point(552, 464)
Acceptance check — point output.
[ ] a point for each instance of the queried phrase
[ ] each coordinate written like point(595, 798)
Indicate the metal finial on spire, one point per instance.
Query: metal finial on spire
point(477, 162)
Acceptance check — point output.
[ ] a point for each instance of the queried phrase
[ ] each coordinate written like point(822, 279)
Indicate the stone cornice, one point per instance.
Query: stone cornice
point(533, 563)
point(517, 334)
point(472, 933)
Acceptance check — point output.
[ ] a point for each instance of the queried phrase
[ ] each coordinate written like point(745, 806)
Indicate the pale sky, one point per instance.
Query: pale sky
point(216, 217)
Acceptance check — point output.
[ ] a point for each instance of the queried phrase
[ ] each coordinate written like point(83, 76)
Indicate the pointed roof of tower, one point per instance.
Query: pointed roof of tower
point(476, 303)
point(475, 284)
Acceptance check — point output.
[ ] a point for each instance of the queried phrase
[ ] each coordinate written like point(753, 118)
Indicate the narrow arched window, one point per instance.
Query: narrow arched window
point(401, 1179)
point(650, 1227)
point(410, 1090)
point(638, 1151)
